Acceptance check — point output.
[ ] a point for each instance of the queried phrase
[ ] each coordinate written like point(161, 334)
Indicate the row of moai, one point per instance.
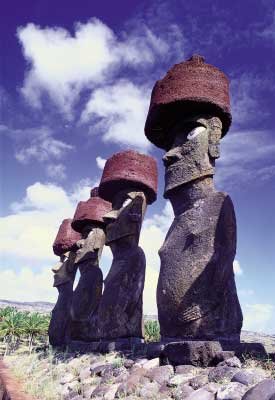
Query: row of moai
point(196, 293)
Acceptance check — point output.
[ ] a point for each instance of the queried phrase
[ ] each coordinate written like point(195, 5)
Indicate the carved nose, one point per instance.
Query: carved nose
point(80, 243)
point(170, 157)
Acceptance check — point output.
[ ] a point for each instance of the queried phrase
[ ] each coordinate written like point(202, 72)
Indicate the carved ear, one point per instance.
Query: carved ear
point(214, 150)
point(215, 133)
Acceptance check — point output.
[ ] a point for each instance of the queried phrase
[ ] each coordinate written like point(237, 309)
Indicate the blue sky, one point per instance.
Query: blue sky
point(75, 84)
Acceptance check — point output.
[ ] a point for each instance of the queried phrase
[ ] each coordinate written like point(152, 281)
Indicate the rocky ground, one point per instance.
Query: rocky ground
point(113, 376)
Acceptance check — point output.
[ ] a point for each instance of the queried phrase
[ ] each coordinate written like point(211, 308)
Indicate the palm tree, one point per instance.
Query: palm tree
point(6, 311)
point(11, 328)
point(34, 324)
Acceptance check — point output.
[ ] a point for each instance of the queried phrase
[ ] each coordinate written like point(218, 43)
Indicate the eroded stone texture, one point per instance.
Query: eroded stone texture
point(88, 220)
point(196, 290)
point(196, 293)
point(197, 353)
point(129, 185)
point(64, 276)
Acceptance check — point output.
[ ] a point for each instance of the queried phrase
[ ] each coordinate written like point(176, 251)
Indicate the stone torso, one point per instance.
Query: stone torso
point(120, 310)
point(197, 272)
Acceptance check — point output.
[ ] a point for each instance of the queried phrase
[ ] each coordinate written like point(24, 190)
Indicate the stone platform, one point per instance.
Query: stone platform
point(197, 353)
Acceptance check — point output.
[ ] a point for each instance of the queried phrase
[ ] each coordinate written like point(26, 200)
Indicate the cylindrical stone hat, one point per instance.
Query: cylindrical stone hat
point(189, 87)
point(129, 168)
point(90, 211)
point(65, 238)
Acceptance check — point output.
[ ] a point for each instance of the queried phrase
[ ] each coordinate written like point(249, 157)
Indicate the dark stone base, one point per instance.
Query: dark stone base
point(198, 353)
point(107, 346)
point(244, 348)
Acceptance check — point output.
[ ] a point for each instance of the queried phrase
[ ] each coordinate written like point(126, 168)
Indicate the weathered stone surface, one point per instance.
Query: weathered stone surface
point(189, 86)
point(64, 276)
point(85, 373)
point(99, 369)
point(264, 390)
point(154, 349)
point(120, 313)
point(182, 391)
point(221, 373)
point(232, 391)
point(201, 394)
point(197, 353)
point(216, 313)
point(67, 378)
point(105, 391)
point(212, 387)
point(160, 374)
point(151, 363)
point(187, 369)
point(149, 390)
point(87, 295)
point(179, 379)
point(199, 381)
point(249, 377)
point(110, 394)
point(231, 362)
point(120, 309)
point(200, 246)
point(128, 363)
point(130, 385)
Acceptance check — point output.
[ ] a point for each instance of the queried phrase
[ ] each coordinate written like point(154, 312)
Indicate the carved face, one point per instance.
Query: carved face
point(125, 219)
point(90, 247)
point(194, 150)
point(64, 271)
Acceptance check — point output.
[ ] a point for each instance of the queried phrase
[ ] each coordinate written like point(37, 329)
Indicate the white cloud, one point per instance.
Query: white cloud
point(28, 285)
point(269, 31)
point(245, 92)
point(36, 144)
point(118, 112)
point(246, 156)
point(246, 292)
point(237, 268)
point(100, 162)
point(152, 237)
point(62, 65)
point(56, 171)
point(257, 316)
point(28, 233)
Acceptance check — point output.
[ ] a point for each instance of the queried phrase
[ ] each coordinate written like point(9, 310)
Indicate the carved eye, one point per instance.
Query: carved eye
point(126, 202)
point(195, 132)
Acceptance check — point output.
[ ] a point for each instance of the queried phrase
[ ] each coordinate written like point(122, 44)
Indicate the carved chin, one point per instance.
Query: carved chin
point(113, 234)
point(179, 174)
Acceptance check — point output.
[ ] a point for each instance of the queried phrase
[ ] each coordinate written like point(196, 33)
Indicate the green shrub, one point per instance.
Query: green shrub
point(152, 331)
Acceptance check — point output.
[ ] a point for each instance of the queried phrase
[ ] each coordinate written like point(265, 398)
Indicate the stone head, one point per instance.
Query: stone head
point(88, 220)
point(125, 219)
point(129, 181)
point(64, 270)
point(194, 150)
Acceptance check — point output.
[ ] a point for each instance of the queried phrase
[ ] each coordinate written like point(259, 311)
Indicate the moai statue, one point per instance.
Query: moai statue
point(129, 181)
point(64, 275)
point(88, 220)
point(196, 294)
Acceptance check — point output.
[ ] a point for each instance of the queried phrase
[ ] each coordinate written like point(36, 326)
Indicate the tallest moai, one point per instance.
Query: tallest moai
point(196, 296)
